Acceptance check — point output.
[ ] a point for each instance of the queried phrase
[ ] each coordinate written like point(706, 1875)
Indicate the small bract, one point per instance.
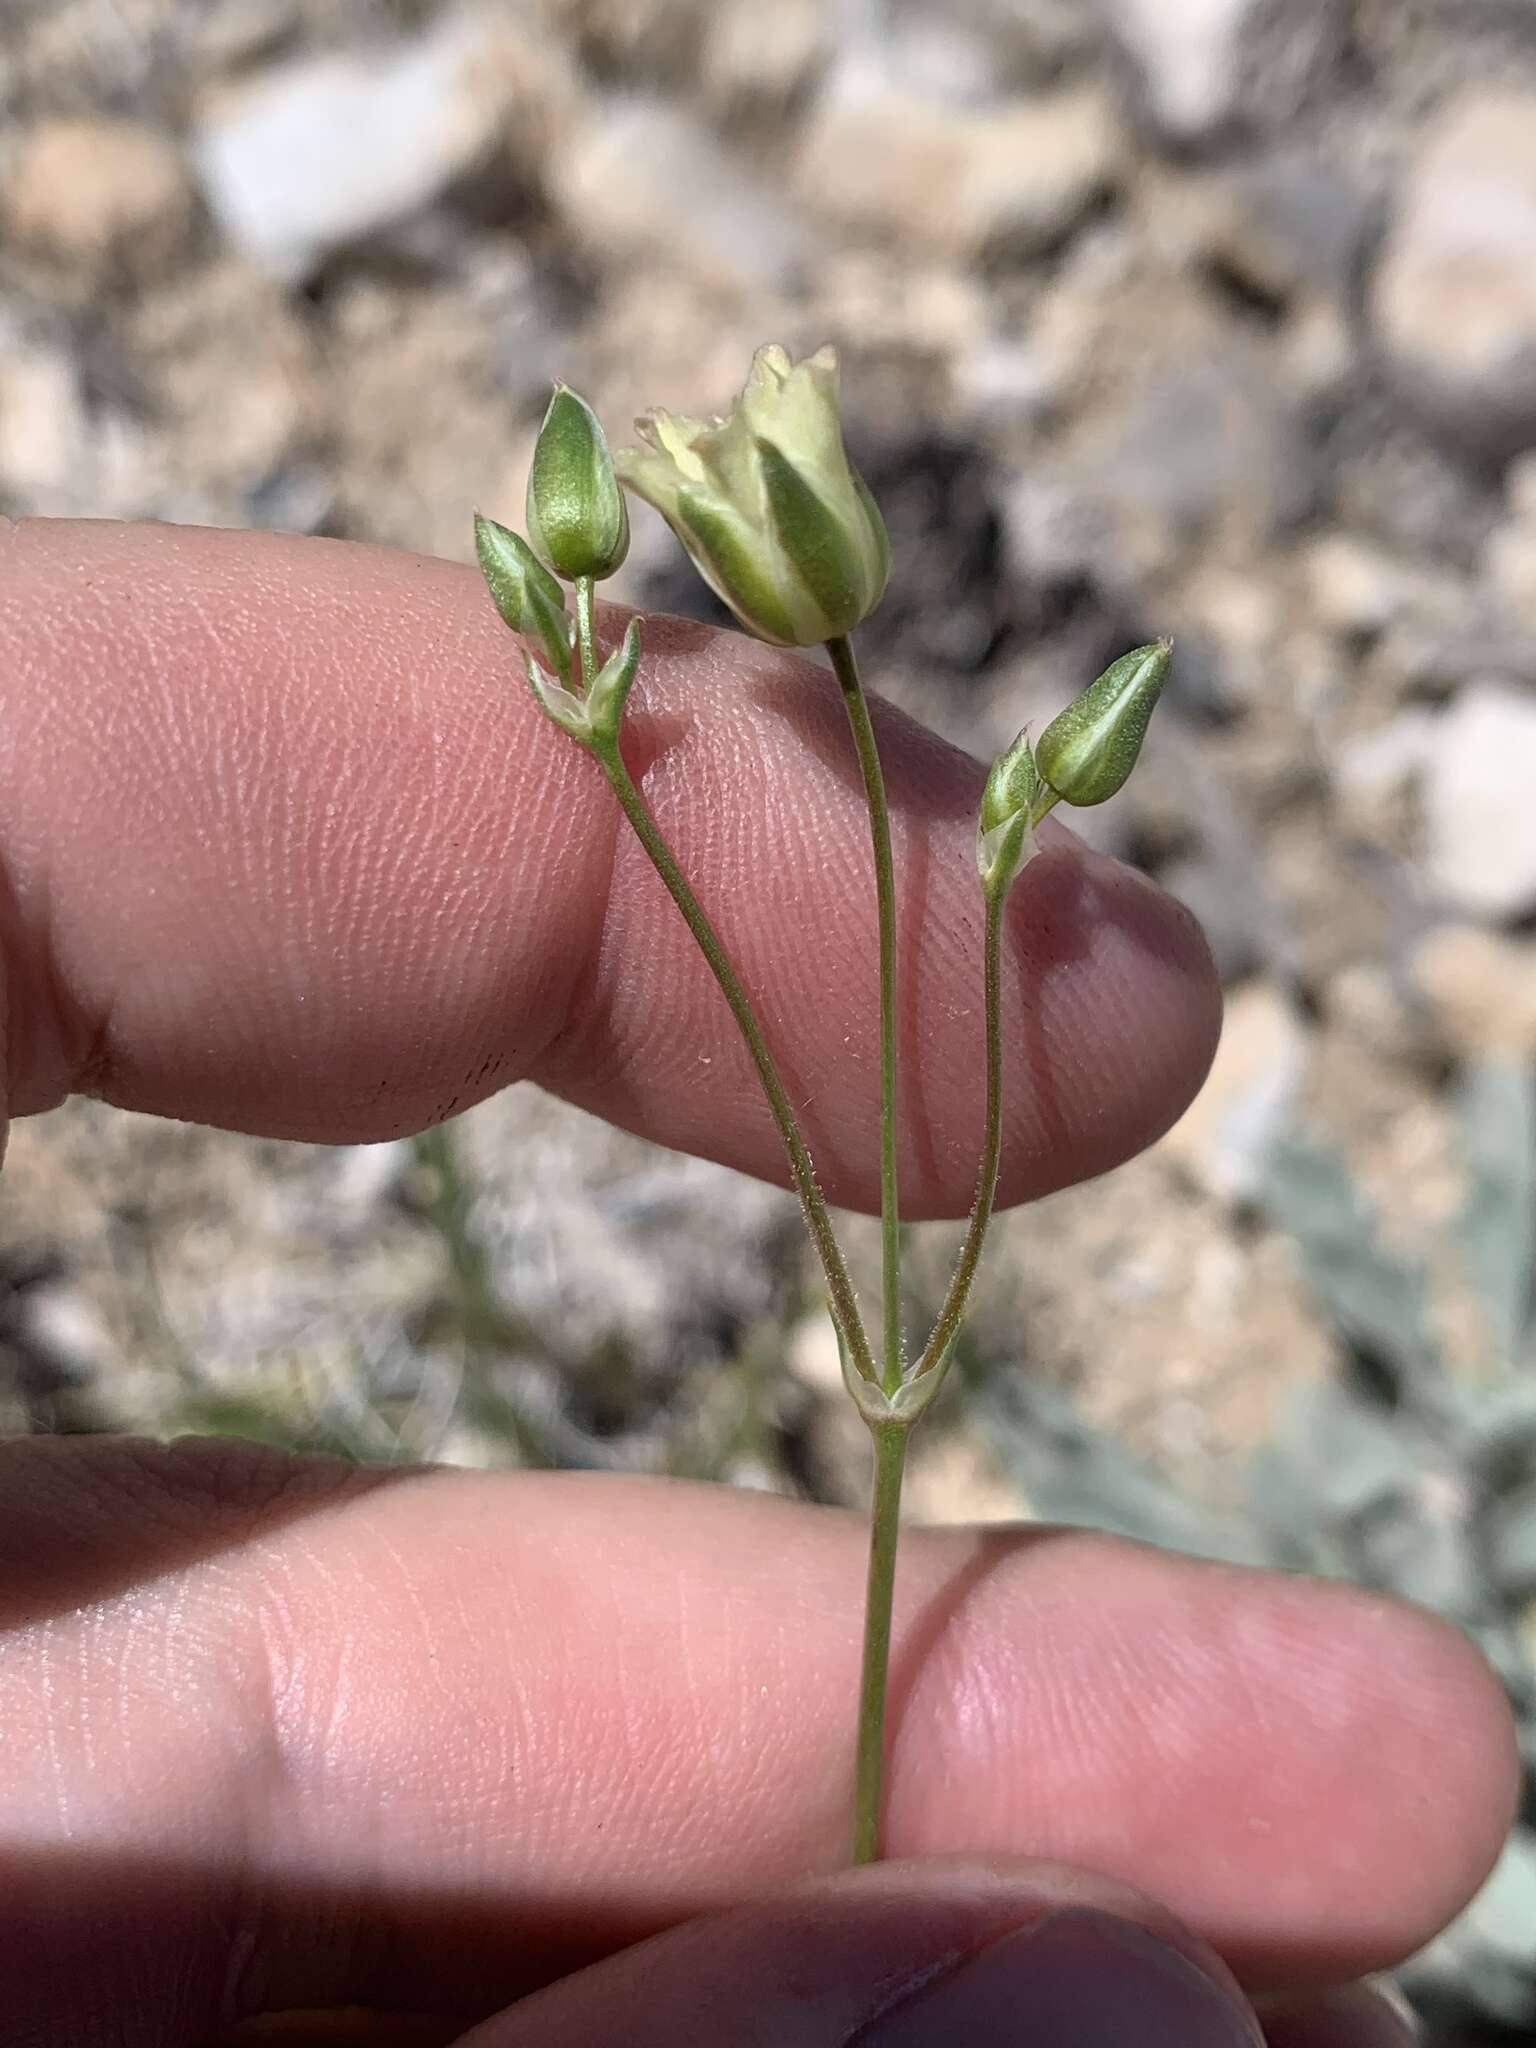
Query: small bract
point(1005, 827)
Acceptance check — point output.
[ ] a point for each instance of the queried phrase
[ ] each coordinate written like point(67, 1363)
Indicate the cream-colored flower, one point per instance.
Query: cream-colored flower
point(773, 514)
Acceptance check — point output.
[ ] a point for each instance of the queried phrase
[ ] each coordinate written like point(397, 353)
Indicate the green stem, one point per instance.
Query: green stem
point(844, 1302)
point(890, 1441)
point(951, 1315)
point(586, 629)
point(845, 1307)
point(857, 705)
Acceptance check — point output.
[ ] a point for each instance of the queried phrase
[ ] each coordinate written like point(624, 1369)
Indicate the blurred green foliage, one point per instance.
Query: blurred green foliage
point(1397, 1472)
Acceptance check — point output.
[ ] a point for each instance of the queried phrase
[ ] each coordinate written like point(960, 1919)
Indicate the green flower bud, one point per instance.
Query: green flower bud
point(577, 519)
point(1009, 809)
point(526, 595)
point(1088, 750)
point(776, 519)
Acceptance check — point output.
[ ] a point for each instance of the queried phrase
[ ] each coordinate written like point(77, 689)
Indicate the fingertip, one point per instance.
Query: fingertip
point(903, 1956)
point(1114, 1015)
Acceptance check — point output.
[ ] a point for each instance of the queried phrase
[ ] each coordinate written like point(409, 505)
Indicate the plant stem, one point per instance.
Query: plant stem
point(890, 1442)
point(586, 629)
point(936, 1351)
point(844, 1302)
point(857, 705)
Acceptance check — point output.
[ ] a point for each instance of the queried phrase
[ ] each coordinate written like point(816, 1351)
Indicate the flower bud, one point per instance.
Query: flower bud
point(577, 519)
point(1009, 807)
point(776, 519)
point(524, 592)
point(1088, 750)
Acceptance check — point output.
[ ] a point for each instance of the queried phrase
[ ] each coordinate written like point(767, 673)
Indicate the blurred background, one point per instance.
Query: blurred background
point(1215, 317)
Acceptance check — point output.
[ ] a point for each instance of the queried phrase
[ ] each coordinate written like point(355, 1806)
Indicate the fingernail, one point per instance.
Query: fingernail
point(1349, 2016)
point(1078, 1979)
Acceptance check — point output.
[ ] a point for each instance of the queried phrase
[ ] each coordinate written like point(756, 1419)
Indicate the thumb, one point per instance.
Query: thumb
point(900, 1956)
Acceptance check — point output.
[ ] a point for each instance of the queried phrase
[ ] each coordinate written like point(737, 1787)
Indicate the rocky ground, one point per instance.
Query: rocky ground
point(1212, 318)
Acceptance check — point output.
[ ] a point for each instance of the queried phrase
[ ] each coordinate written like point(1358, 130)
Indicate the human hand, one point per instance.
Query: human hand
point(286, 848)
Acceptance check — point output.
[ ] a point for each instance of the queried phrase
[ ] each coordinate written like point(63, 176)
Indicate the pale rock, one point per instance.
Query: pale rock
point(1479, 816)
point(618, 175)
point(1375, 772)
point(59, 457)
point(813, 1355)
point(1454, 297)
point(1286, 225)
point(1356, 590)
point(227, 33)
point(1190, 54)
point(760, 60)
point(1228, 901)
point(1366, 1002)
point(954, 1477)
point(640, 41)
point(525, 92)
point(312, 154)
point(1186, 53)
point(366, 1174)
point(66, 1324)
point(1004, 383)
point(934, 57)
point(1480, 989)
point(1055, 533)
point(102, 199)
point(921, 308)
point(1509, 563)
point(44, 433)
point(1520, 487)
point(964, 52)
point(956, 181)
point(1198, 446)
point(232, 370)
point(1222, 1139)
point(1021, 41)
point(1509, 556)
point(1318, 349)
point(1244, 613)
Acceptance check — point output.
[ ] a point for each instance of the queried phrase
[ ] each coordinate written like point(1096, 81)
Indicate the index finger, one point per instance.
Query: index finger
point(287, 847)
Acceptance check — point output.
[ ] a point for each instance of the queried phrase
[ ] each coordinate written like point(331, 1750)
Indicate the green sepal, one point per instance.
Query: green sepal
point(724, 551)
point(879, 534)
point(523, 591)
point(1088, 750)
point(816, 544)
point(578, 521)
